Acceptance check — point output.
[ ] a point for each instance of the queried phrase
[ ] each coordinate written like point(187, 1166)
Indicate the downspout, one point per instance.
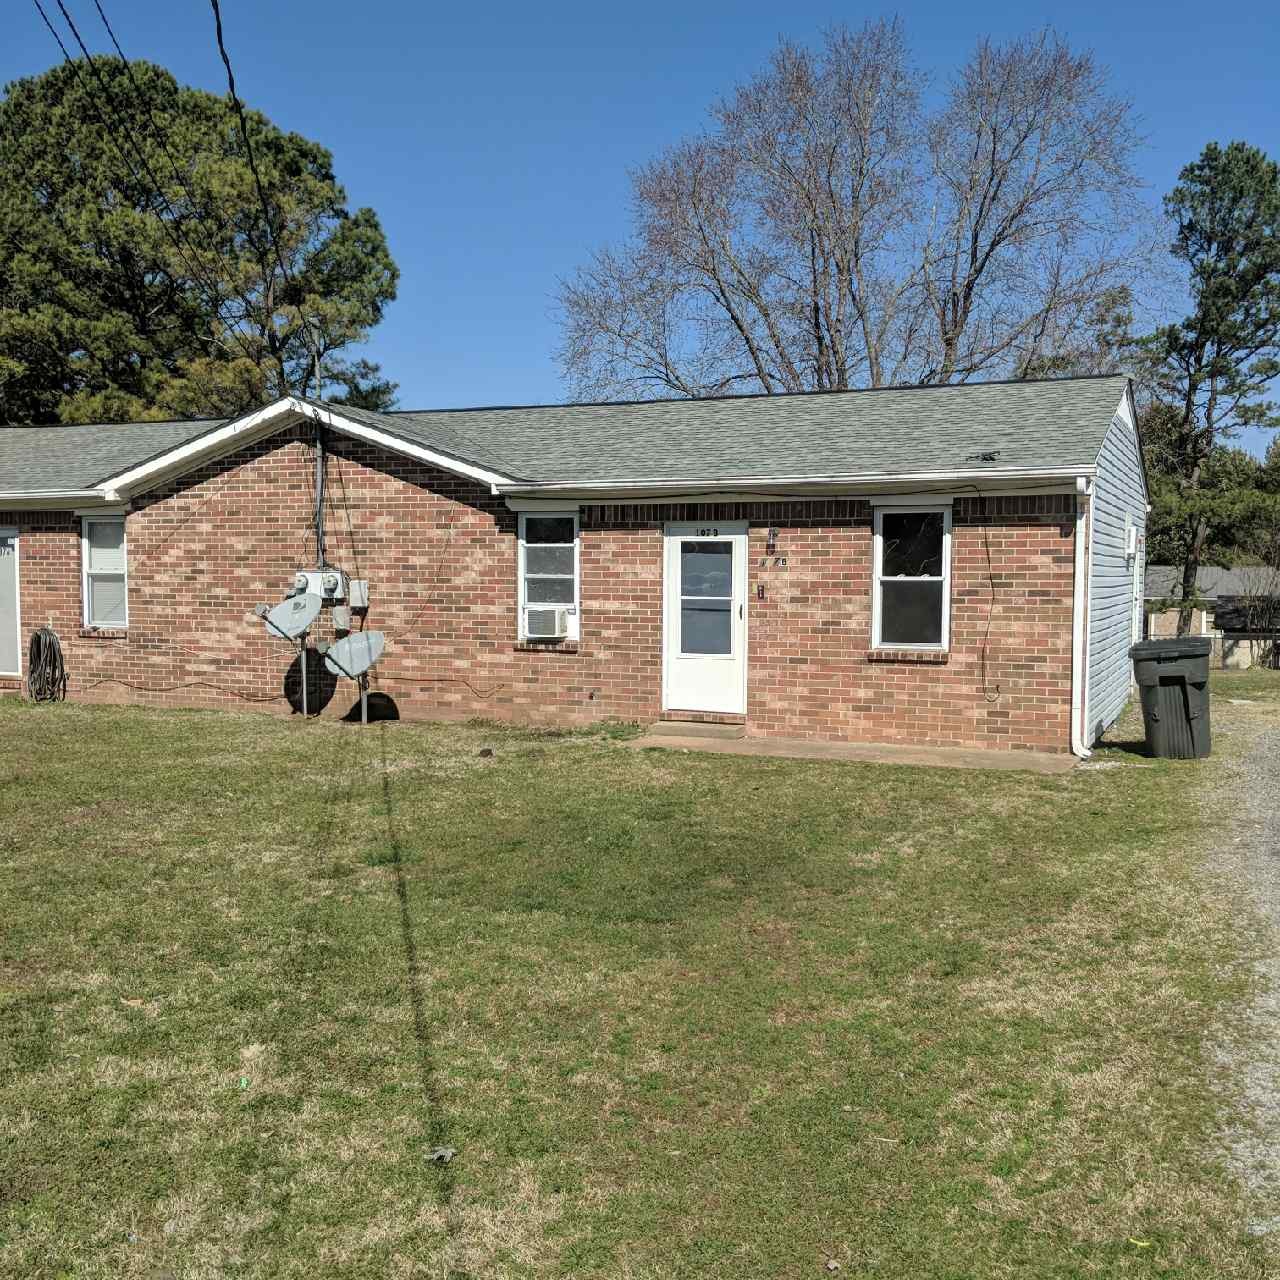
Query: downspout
point(1080, 625)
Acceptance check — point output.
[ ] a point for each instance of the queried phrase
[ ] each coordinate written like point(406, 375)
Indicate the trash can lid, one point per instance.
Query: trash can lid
point(1173, 647)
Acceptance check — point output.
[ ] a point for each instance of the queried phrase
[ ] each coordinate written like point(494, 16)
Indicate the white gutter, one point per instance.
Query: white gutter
point(1079, 625)
point(48, 499)
point(767, 484)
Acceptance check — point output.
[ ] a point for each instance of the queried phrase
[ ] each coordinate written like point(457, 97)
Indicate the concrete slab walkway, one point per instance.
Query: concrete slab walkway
point(692, 737)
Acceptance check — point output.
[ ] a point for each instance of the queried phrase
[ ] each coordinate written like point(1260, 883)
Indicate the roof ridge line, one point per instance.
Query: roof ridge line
point(753, 395)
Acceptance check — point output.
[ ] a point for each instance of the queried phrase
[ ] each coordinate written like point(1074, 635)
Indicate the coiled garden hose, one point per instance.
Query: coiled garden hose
point(46, 672)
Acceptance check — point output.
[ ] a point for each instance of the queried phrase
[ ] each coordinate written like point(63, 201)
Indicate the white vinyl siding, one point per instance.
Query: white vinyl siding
point(105, 580)
point(1119, 504)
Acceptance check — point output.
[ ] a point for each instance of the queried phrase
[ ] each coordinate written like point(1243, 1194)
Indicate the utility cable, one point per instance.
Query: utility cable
point(159, 134)
point(272, 238)
point(171, 229)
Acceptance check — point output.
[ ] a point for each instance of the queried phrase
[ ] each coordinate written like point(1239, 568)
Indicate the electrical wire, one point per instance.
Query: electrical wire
point(131, 137)
point(991, 606)
point(158, 133)
point(171, 229)
point(272, 238)
point(46, 670)
point(189, 684)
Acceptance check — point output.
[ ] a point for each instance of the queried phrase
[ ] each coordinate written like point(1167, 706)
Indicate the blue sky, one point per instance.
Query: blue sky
point(494, 140)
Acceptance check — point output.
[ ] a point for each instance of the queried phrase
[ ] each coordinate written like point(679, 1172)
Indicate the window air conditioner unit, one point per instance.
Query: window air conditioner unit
point(547, 624)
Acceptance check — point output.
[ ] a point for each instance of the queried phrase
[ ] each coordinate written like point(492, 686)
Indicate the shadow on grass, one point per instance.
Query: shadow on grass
point(382, 706)
point(1129, 746)
point(437, 1128)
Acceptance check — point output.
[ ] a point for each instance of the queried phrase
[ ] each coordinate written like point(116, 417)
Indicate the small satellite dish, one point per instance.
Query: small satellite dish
point(291, 617)
point(353, 655)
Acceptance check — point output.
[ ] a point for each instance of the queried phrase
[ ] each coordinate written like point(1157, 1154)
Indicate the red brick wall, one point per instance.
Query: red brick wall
point(441, 557)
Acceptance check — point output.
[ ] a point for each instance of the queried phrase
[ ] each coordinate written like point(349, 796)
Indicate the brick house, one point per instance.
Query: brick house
point(957, 565)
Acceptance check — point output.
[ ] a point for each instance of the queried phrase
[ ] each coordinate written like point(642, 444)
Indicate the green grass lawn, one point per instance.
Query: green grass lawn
point(678, 1015)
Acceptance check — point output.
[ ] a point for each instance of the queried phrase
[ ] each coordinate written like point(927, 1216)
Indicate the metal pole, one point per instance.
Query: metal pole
point(319, 496)
point(302, 656)
point(364, 699)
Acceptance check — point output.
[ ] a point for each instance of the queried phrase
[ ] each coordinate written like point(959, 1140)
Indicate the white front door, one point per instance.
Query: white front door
point(10, 640)
point(705, 618)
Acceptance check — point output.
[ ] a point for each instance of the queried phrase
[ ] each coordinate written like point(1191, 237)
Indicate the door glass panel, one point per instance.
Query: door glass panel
point(9, 658)
point(706, 569)
point(706, 626)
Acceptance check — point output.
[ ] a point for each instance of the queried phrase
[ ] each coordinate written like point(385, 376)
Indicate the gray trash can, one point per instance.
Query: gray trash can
point(1173, 679)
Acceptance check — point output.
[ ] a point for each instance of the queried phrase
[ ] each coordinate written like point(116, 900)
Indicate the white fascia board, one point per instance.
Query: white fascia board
point(990, 480)
point(398, 444)
point(264, 422)
point(212, 444)
point(543, 504)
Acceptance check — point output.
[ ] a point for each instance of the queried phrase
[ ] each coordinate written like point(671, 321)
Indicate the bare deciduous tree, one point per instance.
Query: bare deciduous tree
point(829, 232)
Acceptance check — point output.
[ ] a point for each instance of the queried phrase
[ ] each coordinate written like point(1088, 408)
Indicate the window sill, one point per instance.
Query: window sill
point(925, 657)
point(103, 633)
point(547, 646)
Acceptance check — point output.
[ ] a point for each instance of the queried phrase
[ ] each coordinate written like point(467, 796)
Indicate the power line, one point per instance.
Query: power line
point(133, 142)
point(156, 130)
point(172, 230)
point(273, 239)
point(223, 223)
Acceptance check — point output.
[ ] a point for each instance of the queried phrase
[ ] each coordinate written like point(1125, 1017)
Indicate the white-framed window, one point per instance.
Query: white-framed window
point(105, 582)
point(549, 575)
point(911, 579)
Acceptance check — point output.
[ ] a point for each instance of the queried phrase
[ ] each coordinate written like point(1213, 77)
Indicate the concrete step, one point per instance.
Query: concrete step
point(697, 729)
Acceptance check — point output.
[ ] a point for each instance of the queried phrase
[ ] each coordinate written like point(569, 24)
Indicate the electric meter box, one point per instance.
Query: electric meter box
point(358, 593)
point(328, 584)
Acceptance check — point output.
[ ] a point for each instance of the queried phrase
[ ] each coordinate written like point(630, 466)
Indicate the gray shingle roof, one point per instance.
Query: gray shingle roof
point(47, 458)
point(878, 432)
point(882, 432)
point(1164, 582)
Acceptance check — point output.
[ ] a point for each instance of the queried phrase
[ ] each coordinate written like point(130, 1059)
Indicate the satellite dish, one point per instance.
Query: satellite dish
point(290, 618)
point(353, 655)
